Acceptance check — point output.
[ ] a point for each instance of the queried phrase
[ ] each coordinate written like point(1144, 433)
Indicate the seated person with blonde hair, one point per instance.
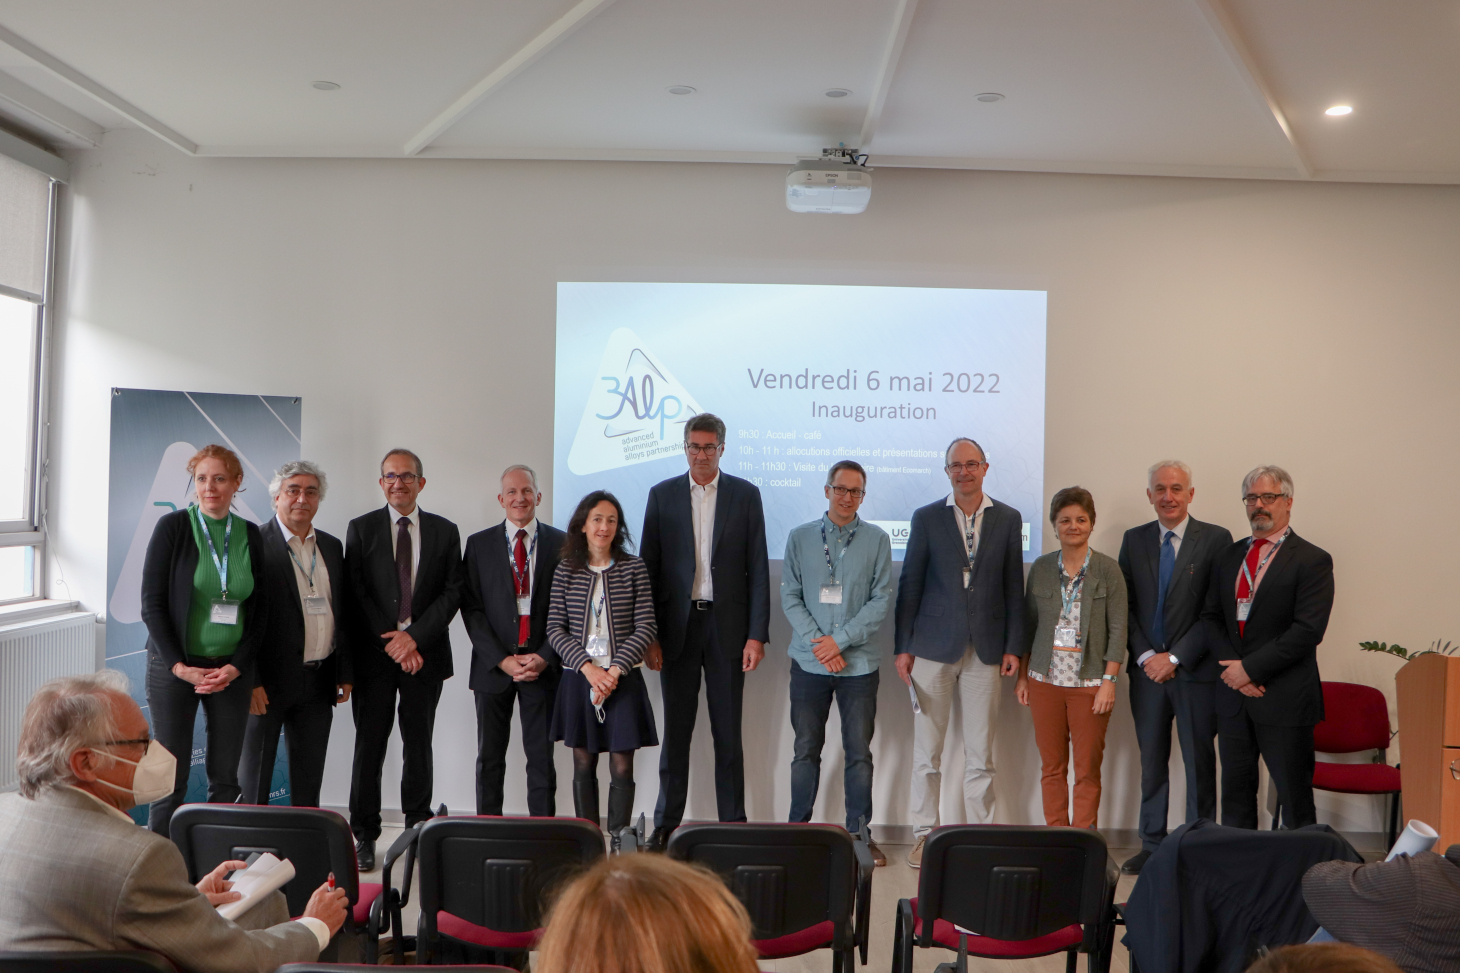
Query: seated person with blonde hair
point(78, 874)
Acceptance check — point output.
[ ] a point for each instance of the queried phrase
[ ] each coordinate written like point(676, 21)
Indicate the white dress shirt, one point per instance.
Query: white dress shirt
point(970, 545)
point(319, 630)
point(415, 531)
point(527, 542)
point(1177, 533)
point(702, 513)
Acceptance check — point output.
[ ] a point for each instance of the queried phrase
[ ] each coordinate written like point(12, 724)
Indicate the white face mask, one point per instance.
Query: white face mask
point(155, 777)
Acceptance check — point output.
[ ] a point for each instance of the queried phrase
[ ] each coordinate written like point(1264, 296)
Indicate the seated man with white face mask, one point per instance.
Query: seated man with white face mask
point(78, 874)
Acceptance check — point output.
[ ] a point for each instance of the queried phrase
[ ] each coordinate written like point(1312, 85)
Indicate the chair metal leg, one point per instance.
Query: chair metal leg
point(1072, 960)
point(1393, 820)
point(902, 938)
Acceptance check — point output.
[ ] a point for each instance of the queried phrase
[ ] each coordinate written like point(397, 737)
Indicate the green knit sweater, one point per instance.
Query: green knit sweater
point(204, 638)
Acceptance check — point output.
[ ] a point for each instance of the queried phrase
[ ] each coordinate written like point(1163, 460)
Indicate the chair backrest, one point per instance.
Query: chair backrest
point(500, 872)
point(87, 961)
point(1013, 882)
point(1355, 718)
point(315, 841)
point(788, 876)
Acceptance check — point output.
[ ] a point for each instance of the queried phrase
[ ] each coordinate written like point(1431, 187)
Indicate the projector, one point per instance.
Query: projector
point(835, 183)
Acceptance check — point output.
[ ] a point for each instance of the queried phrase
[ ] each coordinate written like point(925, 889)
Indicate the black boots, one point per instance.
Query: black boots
point(585, 800)
point(620, 808)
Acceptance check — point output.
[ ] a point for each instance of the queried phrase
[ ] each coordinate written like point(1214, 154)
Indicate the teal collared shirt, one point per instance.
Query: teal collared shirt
point(863, 569)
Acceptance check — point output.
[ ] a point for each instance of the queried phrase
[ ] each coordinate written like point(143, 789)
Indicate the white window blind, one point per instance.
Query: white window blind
point(24, 213)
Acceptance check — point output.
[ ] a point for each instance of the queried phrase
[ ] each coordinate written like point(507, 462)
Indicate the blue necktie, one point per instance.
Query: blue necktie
point(1163, 581)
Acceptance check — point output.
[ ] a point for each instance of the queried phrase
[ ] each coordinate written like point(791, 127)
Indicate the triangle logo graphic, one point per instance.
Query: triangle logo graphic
point(635, 412)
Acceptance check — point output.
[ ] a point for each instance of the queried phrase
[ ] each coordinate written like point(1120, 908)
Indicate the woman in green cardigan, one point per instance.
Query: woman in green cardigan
point(1075, 619)
point(202, 601)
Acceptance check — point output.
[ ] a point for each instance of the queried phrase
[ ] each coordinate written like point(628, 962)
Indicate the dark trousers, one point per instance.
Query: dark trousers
point(494, 730)
point(724, 686)
point(173, 705)
point(376, 691)
point(1288, 753)
point(856, 702)
point(1193, 706)
point(305, 721)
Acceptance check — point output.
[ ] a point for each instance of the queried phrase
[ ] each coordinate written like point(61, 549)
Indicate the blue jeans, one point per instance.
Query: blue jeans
point(856, 701)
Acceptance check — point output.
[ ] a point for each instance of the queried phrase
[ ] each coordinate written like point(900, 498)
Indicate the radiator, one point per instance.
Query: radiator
point(31, 654)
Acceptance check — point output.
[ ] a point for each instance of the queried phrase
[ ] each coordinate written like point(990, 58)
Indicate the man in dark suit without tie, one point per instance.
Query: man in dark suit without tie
point(1267, 609)
point(304, 665)
point(1168, 565)
point(704, 545)
point(504, 604)
point(405, 574)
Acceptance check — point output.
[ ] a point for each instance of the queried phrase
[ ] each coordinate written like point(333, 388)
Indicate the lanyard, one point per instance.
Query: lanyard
point(826, 549)
point(597, 605)
point(1070, 592)
point(522, 581)
point(313, 563)
point(1271, 550)
point(222, 565)
point(968, 544)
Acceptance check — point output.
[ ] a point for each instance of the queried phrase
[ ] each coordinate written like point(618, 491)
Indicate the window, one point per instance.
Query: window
point(27, 207)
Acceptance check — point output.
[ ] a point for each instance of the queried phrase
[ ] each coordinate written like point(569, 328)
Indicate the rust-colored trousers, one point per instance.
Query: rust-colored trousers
point(1062, 717)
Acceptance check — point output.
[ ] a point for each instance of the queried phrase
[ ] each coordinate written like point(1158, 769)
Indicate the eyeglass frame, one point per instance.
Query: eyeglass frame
point(703, 449)
point(407, 478)
point(1266, 499)
point(842, 491)
point(971, 466)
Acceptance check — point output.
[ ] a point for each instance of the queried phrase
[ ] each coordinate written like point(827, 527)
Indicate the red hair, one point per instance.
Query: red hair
point(214, 451)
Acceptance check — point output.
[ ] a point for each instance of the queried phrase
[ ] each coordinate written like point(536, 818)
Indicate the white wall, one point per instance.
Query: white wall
point(1230, 323)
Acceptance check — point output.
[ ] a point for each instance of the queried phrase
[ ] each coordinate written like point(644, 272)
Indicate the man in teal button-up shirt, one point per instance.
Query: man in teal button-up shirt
point(836, 586)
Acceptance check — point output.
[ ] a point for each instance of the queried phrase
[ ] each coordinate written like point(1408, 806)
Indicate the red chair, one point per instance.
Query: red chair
point(1357, 719)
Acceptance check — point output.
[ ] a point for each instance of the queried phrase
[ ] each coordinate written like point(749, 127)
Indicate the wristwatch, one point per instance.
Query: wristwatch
point(1172, 656)
point(1107, 677)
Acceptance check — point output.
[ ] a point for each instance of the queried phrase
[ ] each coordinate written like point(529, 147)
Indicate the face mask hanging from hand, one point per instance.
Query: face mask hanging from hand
point(155, 777)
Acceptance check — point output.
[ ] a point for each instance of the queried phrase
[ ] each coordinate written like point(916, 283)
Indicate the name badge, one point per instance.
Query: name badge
point(967, 574)
point(596, 646)
point(831, 594)
point(316, 605)
point(524, 605)
point(1244, 606)
point(1066, 637)
point(223, 612)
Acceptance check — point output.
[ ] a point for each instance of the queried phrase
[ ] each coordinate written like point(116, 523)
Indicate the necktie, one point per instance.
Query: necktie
point(1163, 581)
point(403, 568)
point(1244, 590)
point(522, 584)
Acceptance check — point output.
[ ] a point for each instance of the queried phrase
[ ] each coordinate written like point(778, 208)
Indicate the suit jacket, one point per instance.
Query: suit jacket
point(167, 592)
point(1279, 647)
point(1186, 596)
point(77, 877)
point(281, 655)
point(936, 616)
point(375, 590)
point(1103, 613)
point(739, 565)
point(489, 604)
point(1407, 909)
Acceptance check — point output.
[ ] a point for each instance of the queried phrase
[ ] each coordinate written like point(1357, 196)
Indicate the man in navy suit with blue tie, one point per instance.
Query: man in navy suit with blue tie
point(1173, 675)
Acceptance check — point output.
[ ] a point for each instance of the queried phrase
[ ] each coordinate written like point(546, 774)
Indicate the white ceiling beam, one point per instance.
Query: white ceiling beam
point(1229, 36)
point(556, 33)
point(47, 112)
point(100, 93)
point(37, 158)
point(891, 54)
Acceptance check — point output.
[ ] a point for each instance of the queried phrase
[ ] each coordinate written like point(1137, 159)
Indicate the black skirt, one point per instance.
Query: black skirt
point(628, 720)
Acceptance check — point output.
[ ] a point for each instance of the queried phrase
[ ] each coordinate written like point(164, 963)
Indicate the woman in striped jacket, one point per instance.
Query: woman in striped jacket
point(600, 622)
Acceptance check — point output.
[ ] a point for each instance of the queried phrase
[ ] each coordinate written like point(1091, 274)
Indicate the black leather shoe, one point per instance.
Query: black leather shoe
point(1134, 863)
point(659, 840)
point(365, 855)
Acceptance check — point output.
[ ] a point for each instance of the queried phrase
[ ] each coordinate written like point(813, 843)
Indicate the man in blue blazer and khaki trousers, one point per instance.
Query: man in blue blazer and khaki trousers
point(960, 626)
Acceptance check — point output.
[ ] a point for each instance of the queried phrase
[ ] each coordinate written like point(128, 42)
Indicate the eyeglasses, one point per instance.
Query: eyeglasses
point(144, 742)
point(295, 491)
point(842, 491)
point(695, 449)
point(1267, 498)
point(971, 467)
point(394, 478)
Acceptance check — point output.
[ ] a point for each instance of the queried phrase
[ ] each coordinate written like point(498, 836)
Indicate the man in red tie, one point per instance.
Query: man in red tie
point(504, 604)
point(1267, 609)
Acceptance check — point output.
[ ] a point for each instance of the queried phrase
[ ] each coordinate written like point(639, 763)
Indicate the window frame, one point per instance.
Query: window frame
point(30, 530)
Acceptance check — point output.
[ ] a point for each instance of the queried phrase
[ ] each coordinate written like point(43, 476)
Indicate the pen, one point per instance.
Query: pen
point(331, 881)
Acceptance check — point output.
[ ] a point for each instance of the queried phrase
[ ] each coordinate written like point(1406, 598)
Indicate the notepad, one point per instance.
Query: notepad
point(266, 874)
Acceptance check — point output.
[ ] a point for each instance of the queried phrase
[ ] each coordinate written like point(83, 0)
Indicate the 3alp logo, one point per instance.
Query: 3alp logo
point(635, 411)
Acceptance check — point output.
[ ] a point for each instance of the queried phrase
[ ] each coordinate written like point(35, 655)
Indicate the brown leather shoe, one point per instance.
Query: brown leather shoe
point(878, 858)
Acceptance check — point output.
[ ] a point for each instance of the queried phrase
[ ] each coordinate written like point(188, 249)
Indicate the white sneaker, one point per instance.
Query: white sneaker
point(915, 857)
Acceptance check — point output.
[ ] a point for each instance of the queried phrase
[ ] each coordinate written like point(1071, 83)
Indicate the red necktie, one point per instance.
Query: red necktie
point(1244, 590)
point(523, 586)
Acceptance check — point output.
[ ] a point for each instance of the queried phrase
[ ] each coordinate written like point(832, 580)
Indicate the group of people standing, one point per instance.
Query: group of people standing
point(270, 627)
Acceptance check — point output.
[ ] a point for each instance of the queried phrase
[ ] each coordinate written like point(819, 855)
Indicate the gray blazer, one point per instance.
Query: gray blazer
point(76, 878)
point(1103, 614)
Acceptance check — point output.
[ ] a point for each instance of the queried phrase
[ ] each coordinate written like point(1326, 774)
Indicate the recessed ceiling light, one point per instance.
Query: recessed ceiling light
point(989, 97)
point(1340, 110)
point(680, 89)
point(837, 92)
point(326, 86)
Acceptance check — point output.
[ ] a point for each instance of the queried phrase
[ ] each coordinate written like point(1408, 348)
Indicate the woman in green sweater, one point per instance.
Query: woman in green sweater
point(202, 604)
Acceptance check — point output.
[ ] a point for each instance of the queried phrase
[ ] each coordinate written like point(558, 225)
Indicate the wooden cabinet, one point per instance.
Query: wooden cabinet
point(1429, 743)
